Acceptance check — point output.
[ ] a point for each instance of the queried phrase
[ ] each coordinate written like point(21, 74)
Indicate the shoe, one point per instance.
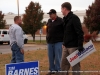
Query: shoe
point(58, 73)
point(50, 73)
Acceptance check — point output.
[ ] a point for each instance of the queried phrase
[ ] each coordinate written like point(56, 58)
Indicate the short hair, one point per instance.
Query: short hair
point(16, 18)
point(67, 5)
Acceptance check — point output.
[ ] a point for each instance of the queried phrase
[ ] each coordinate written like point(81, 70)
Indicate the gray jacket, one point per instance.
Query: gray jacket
point(16, 35)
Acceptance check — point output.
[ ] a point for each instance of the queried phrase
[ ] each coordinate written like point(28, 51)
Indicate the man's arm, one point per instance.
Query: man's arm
point(47, 26)
point(78, 29)
point(19, 38)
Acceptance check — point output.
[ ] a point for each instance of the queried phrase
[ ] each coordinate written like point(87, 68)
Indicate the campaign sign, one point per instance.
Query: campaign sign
point(24, 68)
point(76, 56)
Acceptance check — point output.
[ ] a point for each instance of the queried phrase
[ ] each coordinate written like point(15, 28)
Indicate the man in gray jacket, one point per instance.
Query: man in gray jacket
point(16, 41)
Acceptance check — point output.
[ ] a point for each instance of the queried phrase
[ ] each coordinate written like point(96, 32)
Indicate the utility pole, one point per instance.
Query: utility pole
point(18, 6)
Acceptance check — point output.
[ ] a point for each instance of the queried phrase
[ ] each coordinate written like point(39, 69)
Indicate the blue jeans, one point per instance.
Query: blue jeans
point(54, 54)
point(17, 56)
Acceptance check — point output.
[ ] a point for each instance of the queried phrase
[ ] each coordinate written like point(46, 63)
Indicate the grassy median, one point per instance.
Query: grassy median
point(91, 63)
point(37, 42)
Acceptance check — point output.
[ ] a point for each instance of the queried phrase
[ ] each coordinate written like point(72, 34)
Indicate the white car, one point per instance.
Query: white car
point(4, 36)
point(98, 37)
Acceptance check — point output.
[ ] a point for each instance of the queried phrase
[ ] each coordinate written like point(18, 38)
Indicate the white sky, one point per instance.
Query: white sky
point(11, 5)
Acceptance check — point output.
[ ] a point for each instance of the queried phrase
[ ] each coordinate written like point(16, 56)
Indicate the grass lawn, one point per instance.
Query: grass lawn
point(92, 62)
point(37, 42)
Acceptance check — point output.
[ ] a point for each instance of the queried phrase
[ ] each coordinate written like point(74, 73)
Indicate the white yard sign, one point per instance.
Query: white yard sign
point(76, 56)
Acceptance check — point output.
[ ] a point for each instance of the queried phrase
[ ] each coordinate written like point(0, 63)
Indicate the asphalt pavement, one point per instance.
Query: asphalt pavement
point(4, 49)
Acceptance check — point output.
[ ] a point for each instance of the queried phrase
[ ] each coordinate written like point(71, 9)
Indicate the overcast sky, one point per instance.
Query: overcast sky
point(11, 5)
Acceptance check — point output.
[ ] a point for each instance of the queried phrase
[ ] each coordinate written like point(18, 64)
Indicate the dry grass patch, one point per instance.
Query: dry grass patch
point(91, 63)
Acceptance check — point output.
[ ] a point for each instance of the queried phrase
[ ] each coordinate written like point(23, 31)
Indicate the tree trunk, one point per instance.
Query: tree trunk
point(33, 35)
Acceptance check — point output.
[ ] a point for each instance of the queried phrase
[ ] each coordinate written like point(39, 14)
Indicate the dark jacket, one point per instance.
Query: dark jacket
point(73, 34)
point(55, 30)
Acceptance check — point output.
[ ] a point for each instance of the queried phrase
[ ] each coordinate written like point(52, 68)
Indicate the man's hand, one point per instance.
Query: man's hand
point(22, 51)
point(80, 49)
point(63, 46)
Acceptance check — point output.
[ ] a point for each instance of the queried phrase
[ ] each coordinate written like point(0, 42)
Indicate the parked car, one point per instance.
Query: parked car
point(98, 37)
point(4, 36)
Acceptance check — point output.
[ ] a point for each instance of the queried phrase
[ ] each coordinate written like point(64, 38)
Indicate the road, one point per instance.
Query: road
point(4, 49)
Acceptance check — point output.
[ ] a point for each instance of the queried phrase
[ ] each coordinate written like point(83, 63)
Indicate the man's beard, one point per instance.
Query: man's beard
point(20, 24)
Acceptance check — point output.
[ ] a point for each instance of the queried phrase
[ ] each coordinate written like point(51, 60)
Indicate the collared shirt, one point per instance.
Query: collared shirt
point(16, 35)
point(53, 20)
